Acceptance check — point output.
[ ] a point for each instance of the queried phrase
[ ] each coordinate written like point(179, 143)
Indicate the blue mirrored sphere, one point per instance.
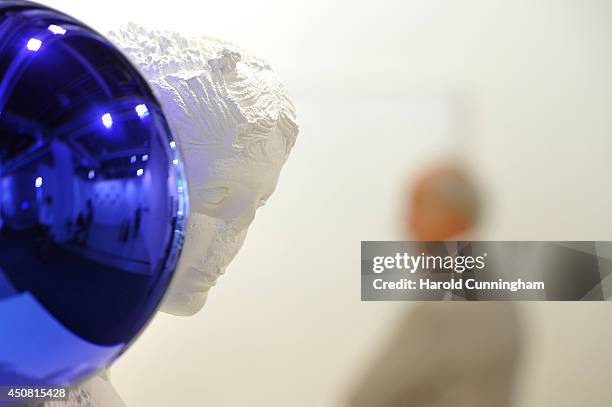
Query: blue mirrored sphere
point(92, 199)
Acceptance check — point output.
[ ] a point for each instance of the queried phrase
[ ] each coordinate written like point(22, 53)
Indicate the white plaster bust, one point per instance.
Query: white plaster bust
point(235, 127)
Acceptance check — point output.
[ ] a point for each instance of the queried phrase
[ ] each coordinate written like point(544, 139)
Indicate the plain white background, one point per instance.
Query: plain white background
point(521, 89)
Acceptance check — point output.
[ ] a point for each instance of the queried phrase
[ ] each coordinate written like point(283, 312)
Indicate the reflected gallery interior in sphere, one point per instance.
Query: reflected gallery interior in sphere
point(92, 199)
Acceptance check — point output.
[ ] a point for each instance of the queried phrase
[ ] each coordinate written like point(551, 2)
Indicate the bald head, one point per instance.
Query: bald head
point(443, 204)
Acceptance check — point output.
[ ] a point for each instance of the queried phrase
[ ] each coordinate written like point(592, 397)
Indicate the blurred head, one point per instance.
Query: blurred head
point(235, 127)
point(443, 204)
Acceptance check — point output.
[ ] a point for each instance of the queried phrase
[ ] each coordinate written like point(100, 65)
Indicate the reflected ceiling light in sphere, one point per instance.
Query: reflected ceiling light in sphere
point(34, 44)
point(142, 111)
point(55, 222)
point(107, 120)
point(56, 29)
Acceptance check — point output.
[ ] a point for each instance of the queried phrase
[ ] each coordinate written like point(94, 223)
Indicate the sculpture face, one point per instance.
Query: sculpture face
point(235, 127)
point(225, 193)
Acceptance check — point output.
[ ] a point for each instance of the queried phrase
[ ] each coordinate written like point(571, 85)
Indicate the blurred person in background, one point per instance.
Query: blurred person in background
point(444, 354)
point(443, 205)
point(46, 220)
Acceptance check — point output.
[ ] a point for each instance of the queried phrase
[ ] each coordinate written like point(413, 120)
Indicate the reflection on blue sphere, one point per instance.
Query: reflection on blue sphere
point(92, 199)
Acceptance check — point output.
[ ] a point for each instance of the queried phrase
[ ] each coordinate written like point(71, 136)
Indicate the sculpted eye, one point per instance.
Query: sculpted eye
point(214, 196)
